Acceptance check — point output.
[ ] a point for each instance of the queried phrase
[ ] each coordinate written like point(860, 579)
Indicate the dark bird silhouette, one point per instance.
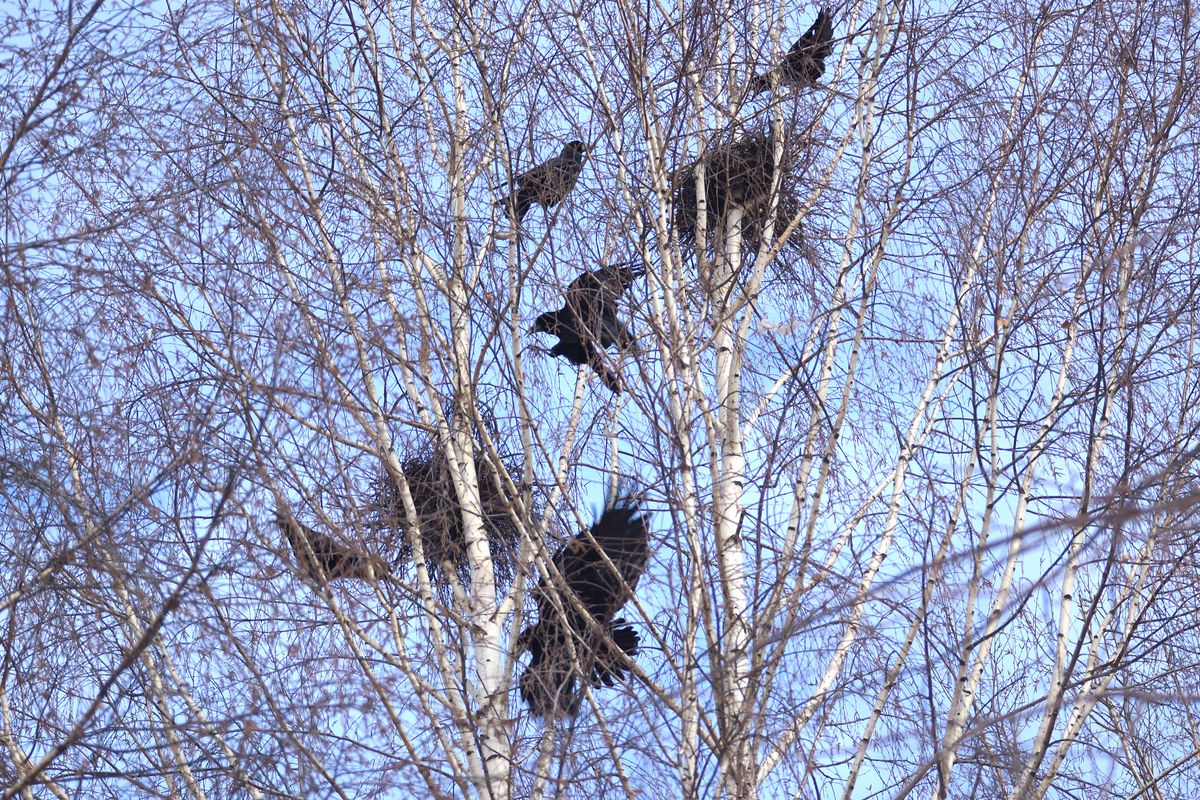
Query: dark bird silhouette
point(547, 183)
point(323, 558)
point(597, 572)
point(588, 323)
point(805, 62)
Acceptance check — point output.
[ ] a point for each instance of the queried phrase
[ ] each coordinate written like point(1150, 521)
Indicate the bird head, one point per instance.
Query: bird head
point(284, 519)
point(628, 273)
point(545, 323)
point(575, 150)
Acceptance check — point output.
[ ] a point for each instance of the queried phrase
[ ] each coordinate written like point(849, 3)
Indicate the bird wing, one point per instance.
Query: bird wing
point(587, 285)
point(817, 41)
point(564, 172)
point(323, 557)
point(614, 332)
point(552, 179)
point(824, 33)
point(569, 561)
point(623, 536)
point(624, 531)
point(315, 552)
point(593, 583)
point(614, 280)
point(576, 562)
point(608, 376)
point(534, 175)
point(611, 331)
point(585, 301)
point(813, 46)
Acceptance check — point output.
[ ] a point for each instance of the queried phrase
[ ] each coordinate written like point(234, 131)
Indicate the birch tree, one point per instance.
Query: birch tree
point(912, 407)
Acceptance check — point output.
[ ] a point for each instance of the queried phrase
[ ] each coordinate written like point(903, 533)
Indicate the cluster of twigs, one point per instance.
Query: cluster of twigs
point(439, 515)
point(740, 170)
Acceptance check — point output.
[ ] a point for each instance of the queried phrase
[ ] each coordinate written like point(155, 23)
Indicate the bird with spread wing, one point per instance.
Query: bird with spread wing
point(578, 637)
point(588, 323)
point(805, 62)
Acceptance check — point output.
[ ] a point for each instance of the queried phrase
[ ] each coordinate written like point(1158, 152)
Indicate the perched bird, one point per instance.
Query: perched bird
point(805, 62)
point(588, 323)
point(323, 558)
point(547, 183)
point(566, 646)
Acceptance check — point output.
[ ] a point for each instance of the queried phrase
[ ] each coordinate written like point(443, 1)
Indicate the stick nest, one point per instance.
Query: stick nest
point(439, 516)
point(738, 171)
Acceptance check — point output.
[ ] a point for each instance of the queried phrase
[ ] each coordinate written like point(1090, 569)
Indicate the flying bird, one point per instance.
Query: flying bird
point(805, 62)
point(588, 323)
point(593, 576)
point(323, 558)
point(547, 183)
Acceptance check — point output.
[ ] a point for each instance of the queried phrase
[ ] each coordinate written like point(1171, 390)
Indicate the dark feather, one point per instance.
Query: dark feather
point(609, 666)
point(322, 558)
point(805, 62)
point(588, 323)
point(586, 585)
point(547, 183)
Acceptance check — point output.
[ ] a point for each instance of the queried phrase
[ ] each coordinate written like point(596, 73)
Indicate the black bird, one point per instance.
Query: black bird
point(565, 646)
point(547, 183)
point(588, 323)
point(323, 558)
point(805, 62)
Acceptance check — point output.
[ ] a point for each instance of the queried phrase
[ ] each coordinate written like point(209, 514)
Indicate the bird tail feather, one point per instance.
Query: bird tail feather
point(610, 378)
point(516, 205)
point(550, 689)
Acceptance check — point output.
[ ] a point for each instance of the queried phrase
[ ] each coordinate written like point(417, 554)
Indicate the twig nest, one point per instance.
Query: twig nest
point(439, 516)
point(739, 171)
